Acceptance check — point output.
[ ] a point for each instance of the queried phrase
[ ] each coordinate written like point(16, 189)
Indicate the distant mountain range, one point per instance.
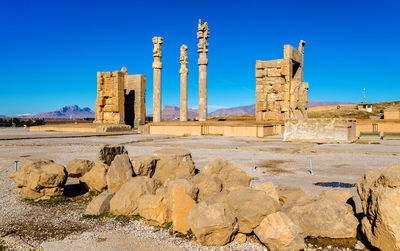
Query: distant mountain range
point(168, 113)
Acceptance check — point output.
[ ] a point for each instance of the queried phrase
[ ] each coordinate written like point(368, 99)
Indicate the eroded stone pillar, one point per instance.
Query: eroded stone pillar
point(184, 73)
point(202, 34)
point(157, 66)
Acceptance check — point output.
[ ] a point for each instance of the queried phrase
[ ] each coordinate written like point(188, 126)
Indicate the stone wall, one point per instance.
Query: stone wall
point(120, 98)
point(280, 90)
point(320, 130)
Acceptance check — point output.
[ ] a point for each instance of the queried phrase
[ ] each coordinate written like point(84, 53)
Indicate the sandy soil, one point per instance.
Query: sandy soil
point(60, 225)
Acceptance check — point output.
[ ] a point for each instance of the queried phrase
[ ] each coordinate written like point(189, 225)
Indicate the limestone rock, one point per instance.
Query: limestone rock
point(144, 165)
point(212, 222)
point(250, 207)
point(107, 153)
point(208, 185)
point(119, 172)
point(172, 164)
point(95, 179)
point(240, 238)
point(154, 208)
point(231, 176)
point(100, 204)
point(269, 189)
point(78, 167)
point(325, 218)
point(39, 179)
point(336, 194)
point(180, 202)
point(125, 200)
point(379, 192)
point(289, 196)
point(278, 232)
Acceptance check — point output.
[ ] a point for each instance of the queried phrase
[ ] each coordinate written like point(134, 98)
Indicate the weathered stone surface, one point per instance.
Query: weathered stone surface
point(278, 232)
point(212, 222)
point(154, 208)
point(125, 201)
point(39, 179)
point(379, 192)
point(107, 153)
point(240, 238)
point(78, 167)
point(337, 194)
point(231, 176)
point(172, 164)
point(144, 165)
point(250, 206)
point(181, 199)
point(100, 204)
point(269, 189)
point(325, 218)
point(119, 172)
point(95, 179)
point(208, 185)
point(289, 196)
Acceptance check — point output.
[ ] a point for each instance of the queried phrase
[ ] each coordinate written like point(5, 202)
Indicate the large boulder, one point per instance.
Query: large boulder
point(39, 179)
point(289, 196)
point(95, 179)
point(231, 176)
point(107, 153)
point(278, 232)
point(182, 196)
point(154, 207)
point(119, 172)
point(125, 201)
point(172, 164)
point(250, 207)
point(144, 165)
point(78, 167)
point(208, 185)
point(324, 218)
point(212, 221)
point(269, 189)
point(99, 204)
point(379, 192)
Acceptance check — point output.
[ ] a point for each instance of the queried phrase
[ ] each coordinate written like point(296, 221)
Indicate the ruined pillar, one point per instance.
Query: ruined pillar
point(157, 66)
point(202, 34)
point(184, 73)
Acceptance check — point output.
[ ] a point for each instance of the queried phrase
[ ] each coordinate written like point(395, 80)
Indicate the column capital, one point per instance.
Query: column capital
point(157, 52)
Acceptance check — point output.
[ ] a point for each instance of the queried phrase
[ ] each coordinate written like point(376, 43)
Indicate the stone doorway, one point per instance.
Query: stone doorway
point(129, 107)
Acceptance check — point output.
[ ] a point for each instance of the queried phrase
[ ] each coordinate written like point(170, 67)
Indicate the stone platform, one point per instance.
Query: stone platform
point(81, 127)
point(222, 128)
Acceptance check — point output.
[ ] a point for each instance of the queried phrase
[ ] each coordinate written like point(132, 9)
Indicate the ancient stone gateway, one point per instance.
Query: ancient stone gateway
point(280, 90)
point(120, 98)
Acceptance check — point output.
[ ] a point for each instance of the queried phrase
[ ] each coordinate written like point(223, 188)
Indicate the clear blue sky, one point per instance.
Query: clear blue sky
point(51, 50)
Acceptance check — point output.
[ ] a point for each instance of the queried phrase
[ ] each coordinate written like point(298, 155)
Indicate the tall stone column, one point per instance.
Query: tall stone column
point(157, 66)
point(202, 34)
point(184, 73)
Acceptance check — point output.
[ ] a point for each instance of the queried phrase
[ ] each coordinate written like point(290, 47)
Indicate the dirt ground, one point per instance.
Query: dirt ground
point(59, 225)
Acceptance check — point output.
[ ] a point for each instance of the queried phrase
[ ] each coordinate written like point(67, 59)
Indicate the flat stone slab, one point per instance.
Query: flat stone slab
point(171, 153)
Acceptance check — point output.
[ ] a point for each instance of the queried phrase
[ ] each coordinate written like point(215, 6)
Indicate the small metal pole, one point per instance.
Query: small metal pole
point(311, 171)
point(16, 165)
point(254, 162)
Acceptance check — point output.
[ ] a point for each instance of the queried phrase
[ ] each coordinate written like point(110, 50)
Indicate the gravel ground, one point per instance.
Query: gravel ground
point(60, 226)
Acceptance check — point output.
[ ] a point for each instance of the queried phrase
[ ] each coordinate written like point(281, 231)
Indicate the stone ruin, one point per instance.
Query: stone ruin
point(120, 98)
point(280, 91)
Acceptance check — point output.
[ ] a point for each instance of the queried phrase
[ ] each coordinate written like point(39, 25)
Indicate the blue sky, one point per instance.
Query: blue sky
point(51, 50)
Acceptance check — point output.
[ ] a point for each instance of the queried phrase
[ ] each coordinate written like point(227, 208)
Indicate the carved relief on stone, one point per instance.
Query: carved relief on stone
point(301, 46)
point(157, 53)
point(183, 59)
point(202, 34)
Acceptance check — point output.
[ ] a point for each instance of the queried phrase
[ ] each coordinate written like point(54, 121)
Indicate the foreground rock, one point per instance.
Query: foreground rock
point(119, 172)
point(154, 208)
point(100, 204)
point(95, 179)
point(144, 165)
point(208, 185)
point(269, 189)
point(212, 222)
point(78, 167)
point(107, 153)
point(172, 164)
point(39, 179)
point(379, 192)
point(125, 201)
point(231, 176)
point(325, 218)
point(289, 196)
point(278, 232)
point(250, 207)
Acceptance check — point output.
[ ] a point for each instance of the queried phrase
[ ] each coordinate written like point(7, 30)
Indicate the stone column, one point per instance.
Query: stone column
point(184, 73)
point(202, 34)
point(157, 66)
